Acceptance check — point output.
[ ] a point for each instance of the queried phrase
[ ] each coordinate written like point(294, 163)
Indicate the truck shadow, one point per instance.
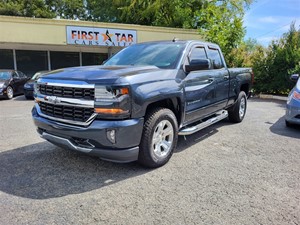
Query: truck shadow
point(43, 171)
point(280, 128)
point(193, 139)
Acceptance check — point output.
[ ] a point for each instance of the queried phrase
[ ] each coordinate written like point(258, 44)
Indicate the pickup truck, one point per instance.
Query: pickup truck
point(134, 106)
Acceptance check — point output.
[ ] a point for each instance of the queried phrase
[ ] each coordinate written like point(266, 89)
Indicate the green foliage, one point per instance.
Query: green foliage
point(221, 22)
point(27, 8)
point(243, 55)
point(67, 9)
point(176, 13)
point(274, 65)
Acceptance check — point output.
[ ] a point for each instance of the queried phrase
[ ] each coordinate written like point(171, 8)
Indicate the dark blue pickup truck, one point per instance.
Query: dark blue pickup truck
point(136, 104)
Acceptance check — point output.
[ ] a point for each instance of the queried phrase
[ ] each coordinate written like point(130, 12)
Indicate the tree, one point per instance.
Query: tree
point(274, 65)
point(222, 22)
point(27, 8)
point(176, 13)
point(67, 9)
point(242, 56)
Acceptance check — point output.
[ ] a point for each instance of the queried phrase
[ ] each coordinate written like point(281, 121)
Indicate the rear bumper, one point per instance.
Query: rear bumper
point(93, 139)
point(292, 114)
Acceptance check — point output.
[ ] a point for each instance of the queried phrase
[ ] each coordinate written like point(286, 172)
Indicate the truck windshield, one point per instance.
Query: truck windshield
point(162, 55)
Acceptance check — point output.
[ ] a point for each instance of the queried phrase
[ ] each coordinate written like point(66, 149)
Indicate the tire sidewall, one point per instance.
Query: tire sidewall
point(171, 118)
point(242, 95)
point(8, 97)
point(147, 157)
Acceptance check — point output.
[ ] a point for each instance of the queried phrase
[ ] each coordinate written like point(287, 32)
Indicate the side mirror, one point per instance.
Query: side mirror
point(198, 64)
point(294, 77)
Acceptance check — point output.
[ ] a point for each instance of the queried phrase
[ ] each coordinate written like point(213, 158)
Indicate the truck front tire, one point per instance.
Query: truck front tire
point(237, 112)
point(159, 138)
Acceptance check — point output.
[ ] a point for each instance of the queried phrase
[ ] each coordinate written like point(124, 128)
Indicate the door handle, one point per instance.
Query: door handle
point(226, 77)
point(211, 79)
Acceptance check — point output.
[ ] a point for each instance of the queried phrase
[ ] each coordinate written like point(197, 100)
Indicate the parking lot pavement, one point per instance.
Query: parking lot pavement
point(247, 173)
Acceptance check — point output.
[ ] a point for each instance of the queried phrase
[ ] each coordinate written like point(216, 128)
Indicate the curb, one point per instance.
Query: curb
point(282, 98)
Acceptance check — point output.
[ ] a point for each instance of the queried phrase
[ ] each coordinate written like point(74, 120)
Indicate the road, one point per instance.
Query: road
point(247, 173)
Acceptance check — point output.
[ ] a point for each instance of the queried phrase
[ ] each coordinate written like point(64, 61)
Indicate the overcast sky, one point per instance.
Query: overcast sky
point(267, 20)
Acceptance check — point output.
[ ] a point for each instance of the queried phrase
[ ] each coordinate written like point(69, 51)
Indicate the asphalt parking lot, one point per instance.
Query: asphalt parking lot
point(247, 173)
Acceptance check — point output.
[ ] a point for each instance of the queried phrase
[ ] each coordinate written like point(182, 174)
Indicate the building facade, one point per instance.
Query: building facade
point(31, 45)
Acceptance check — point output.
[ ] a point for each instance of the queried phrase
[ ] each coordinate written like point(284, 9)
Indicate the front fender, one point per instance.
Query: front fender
point(148, 93)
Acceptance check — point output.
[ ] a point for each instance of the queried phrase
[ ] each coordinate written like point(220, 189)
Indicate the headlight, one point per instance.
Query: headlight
point(112, 102)
point(1, 85)
point(28, 85)
point(103, 93)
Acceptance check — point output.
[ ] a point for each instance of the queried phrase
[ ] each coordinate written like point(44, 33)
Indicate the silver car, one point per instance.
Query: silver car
point(292, 115)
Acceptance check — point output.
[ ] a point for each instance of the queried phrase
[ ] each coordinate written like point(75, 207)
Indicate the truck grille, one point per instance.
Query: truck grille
point(67, 92)
point(66, 112)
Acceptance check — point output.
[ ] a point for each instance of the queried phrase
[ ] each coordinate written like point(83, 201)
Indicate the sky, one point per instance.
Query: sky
point(268, 20)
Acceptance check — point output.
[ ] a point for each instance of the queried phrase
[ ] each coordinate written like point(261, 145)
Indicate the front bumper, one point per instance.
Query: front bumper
point(28, 93)
point(93, 139)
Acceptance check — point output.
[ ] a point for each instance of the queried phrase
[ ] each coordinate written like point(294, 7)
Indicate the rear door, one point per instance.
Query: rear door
point(16, 83)
point(199, 88)
point(221, 76)
point(23, 80)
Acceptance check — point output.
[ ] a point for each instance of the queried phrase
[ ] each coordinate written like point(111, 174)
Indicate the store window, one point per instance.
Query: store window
point(6, 59)
point(93, 58)
point(30, 62)
point(64, 59)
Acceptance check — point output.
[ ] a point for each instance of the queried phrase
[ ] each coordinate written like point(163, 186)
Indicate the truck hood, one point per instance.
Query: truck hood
point(98, 74)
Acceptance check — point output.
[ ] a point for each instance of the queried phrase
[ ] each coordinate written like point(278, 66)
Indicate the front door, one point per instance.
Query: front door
point(199, 89)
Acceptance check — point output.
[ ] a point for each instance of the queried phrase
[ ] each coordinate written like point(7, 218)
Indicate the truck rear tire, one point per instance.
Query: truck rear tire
point(159, 138)
point(237, 112)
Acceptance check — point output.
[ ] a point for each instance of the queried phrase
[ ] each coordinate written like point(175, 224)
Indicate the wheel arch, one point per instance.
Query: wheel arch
point(174, 104)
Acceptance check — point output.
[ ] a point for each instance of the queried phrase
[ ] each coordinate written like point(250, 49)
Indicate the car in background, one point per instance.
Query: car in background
point(292, 115)
point(28, 86)
point(11, 83)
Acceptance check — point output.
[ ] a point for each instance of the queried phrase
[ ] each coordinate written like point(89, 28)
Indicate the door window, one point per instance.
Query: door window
point(198, 53)
point(15, 75)
point(215, 57)
point(22, 75)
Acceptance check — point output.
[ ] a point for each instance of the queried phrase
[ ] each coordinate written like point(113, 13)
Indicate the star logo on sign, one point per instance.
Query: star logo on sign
point(107, 36)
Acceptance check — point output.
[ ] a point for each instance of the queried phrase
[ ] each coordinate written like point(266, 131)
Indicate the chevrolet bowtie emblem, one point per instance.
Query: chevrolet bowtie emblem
point(52, 99)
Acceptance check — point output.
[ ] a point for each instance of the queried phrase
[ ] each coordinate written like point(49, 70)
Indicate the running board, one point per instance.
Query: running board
point(218, 117)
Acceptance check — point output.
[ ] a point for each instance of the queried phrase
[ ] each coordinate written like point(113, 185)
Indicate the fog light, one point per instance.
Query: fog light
point(111, 136)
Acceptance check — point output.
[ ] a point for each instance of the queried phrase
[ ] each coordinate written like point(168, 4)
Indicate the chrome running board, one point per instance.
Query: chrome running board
point(190, 130)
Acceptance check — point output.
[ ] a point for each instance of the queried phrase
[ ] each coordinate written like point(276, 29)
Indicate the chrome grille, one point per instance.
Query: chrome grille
point(67, 92)
point(66, 112)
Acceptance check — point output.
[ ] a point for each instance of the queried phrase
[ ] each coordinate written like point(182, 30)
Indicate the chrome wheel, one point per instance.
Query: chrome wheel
point(9, 92)
point(242, 107)
point(163, 137)
point(159, 138)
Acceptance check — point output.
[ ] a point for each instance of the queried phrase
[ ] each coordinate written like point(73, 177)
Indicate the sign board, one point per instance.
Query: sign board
point(94, 36)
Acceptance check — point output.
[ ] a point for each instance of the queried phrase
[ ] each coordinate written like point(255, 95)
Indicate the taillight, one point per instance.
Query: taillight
point(296, 95)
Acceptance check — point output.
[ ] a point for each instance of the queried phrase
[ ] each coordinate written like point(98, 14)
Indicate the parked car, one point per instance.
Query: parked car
point(292, 115)
point(28, 86)
point(11, 83)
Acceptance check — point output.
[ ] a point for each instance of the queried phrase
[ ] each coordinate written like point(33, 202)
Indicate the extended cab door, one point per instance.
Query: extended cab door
point(221, 78)
point(199, 87)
